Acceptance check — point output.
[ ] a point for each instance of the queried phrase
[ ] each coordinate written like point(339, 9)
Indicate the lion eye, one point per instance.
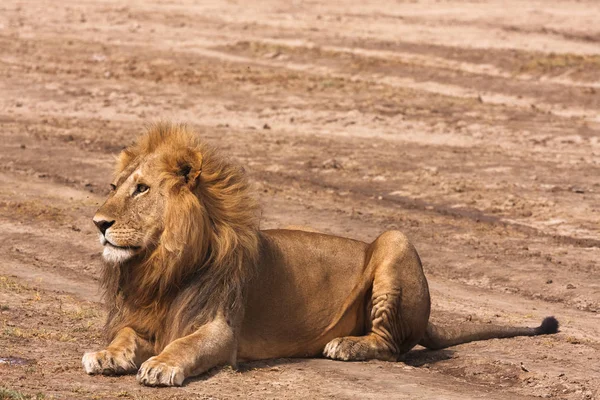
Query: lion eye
point(141, 188)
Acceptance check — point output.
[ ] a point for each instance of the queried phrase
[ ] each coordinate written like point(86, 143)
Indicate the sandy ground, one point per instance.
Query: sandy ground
point(471, 126)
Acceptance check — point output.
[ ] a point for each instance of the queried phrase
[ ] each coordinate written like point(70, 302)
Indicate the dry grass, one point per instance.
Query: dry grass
point(35, 333)
point(12, 286)
point(10, 394)
point(559, 63)
point(81, 313)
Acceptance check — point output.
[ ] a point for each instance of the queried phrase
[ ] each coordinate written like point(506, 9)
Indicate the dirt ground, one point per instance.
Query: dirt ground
point(474, 127)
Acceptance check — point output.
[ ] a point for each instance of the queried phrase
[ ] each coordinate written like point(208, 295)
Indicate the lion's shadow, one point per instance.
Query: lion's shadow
point(422, 356)
point(415, 358)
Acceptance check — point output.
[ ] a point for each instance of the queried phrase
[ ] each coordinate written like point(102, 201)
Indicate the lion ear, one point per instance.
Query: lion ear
point(124, 159)
point(190, 171)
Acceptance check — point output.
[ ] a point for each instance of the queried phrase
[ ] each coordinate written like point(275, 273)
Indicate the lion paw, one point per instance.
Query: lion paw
point(157, 373)
point(358, 348)
point(344, 349)
point(107, 363)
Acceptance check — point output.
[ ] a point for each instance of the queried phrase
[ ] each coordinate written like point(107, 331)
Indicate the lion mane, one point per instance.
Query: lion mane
point(207, 251)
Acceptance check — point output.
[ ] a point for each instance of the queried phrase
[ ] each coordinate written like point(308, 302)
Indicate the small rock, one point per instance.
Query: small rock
point(23, 146)
point(19, 104)
point(274, 54)
point(569, 286)
point(98, 57)
point(549, 281)
point(266, 126)
point(332, 163)
point(523, 368)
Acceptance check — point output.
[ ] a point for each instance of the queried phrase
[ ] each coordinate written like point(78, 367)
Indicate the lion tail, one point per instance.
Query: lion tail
point(439, 338)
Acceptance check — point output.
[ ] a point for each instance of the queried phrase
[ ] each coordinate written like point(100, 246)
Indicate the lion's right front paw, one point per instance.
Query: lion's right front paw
point(155, 372)
point(107, 363)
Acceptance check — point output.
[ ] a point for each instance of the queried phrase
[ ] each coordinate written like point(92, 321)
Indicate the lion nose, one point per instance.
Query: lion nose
point(103, 224)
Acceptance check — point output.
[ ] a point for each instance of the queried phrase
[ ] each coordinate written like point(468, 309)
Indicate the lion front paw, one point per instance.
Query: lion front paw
point(157, 373)
point(107, 363)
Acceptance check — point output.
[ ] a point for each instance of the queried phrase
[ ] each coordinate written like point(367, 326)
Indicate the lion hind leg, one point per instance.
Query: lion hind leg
point(398, 309)
point(377, 344)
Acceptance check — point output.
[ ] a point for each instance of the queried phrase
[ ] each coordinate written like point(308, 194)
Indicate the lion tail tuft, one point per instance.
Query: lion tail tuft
point(549, 325)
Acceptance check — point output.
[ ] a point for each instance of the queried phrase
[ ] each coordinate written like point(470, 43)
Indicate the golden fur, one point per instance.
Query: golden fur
point(192, 283)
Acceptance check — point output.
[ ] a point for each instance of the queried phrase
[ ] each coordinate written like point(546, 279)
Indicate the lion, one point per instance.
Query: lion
point(191, 282)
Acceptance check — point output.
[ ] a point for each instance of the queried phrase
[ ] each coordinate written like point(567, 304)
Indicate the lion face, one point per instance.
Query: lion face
point(130, 220)
point(153, 209)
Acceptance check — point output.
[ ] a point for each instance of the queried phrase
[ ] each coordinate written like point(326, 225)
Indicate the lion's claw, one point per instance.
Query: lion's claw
point(157, 373)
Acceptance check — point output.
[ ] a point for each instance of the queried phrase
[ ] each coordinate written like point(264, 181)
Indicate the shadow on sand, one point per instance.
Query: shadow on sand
point(414, 358)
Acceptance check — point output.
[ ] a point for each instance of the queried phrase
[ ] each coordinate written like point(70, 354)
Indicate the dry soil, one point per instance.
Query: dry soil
point(471, 126)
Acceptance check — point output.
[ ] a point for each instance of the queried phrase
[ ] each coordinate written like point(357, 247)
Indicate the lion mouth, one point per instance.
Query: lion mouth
point(122, 247)
point(106, 242)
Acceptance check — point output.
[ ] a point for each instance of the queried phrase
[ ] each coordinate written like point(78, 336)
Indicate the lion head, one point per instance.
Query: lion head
point(176, 211)
point(153, 200)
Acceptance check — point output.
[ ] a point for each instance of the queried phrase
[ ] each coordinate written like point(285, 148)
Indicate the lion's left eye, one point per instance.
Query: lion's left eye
point(141, 188)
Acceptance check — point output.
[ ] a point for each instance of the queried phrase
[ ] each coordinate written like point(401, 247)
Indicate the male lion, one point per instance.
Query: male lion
point(192, 283)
